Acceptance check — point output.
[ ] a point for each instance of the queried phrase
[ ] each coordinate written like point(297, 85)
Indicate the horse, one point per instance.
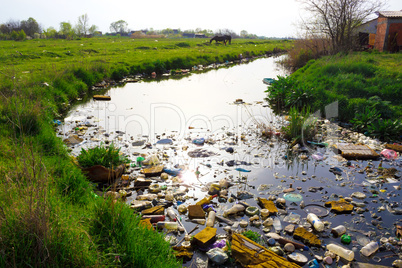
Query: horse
point(223, 39)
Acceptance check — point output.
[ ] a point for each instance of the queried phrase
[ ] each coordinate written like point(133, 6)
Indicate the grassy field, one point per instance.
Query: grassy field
point(367, 87)
point(49, 215)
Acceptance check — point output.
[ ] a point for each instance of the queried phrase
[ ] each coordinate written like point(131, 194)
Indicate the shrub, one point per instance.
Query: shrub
point(362, 120)
point(108, 157)
point(301, 124)
point(386, 129)
point(119, 73)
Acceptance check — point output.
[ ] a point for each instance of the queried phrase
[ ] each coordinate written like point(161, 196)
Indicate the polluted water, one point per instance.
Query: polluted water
point(211, 168)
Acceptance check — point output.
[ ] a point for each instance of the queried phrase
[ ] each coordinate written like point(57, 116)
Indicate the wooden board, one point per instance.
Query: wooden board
point(353, 151)
point(101, 97)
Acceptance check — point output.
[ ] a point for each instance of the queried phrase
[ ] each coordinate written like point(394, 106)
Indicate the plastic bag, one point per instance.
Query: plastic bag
point(389, 154)
point(217, 255)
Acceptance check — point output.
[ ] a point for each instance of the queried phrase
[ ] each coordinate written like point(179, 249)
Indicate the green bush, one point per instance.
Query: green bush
point(362, 120)
point(108, 157)
point(386, 129)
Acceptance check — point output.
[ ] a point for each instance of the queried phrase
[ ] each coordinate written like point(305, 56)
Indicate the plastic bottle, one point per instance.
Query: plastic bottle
point(338, 230)
point(370, 248)
point(277, 224)
point(233, 210)
point(206, 200)
point(211, 219)
point(147, 197)
point(316, 222)
point(341, 252)
point(154, 218)
point(199, 221)
point(171, 214)
point(167, 225)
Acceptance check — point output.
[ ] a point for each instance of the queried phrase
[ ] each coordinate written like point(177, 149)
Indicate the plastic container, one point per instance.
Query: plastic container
point(147, 197)
point(346, 239)
point(264, 213)
point(171, 214)
point(211, 219)
point(154, 218)
point(277, 224)
point(316, 222)
point(370, 248)
point(206, 200)
point(182, 209)
point(341, 252)
point(167, 225)
point(251, 211)
point(233, 210)
point(338, 230)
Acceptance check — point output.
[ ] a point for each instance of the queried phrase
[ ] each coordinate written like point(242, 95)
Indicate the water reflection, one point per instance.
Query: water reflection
point(204, 106)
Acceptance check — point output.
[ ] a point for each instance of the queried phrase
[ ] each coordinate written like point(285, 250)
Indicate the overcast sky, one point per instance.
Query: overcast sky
point(271, 18)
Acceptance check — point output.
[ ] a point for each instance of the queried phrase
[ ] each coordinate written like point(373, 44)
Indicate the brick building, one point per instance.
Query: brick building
point(383, 33)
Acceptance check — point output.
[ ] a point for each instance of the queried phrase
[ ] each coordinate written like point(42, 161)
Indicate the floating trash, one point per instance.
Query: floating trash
point(242, 170)
point(318, 156)
point(318, 210)
point(293, 197)
point(165, 141)
point(199, 153)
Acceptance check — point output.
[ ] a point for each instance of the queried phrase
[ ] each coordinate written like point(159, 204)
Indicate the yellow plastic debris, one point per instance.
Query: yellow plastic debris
point(250, 254)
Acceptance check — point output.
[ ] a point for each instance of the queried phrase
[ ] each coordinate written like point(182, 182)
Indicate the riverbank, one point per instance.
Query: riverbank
point(363, 85)
point(49, 214)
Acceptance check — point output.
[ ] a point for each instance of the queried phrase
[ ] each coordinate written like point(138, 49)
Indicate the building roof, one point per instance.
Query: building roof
point(391, 14)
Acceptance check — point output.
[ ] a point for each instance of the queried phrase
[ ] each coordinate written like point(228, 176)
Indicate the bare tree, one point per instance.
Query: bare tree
point(337, 20)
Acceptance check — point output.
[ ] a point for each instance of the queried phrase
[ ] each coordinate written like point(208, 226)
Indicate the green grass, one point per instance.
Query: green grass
point(107, 156)
point(358, 81)
point(49, 216)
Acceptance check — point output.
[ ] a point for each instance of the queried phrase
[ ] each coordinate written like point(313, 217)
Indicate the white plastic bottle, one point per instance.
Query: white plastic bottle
point(370, 248)
point(341, 252)
point(211, 219)
point(233, 210)
point(171, 214)
point(316, 222)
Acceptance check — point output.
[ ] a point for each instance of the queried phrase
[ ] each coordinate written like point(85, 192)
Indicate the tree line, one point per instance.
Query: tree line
point(31, 29)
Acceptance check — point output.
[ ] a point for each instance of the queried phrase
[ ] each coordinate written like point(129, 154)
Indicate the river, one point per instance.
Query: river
point(226, 107)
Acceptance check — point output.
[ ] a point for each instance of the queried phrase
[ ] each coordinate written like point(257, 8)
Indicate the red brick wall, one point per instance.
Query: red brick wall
point(381, 32)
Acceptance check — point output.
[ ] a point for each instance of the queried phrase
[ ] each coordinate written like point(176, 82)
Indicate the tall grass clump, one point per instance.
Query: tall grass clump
point(125, 242)
point(301, 125)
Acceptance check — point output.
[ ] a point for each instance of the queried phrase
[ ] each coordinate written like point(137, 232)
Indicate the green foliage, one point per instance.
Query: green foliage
point(86, 76)
point(362, 120)
point(256, 237)
point(108, 157)
point(386, 129)
point(124, 241)
point(278, 91)
point(355, 80)
point(49, 217)
point(119, 73)
point(301, 124)
point(299, 97)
